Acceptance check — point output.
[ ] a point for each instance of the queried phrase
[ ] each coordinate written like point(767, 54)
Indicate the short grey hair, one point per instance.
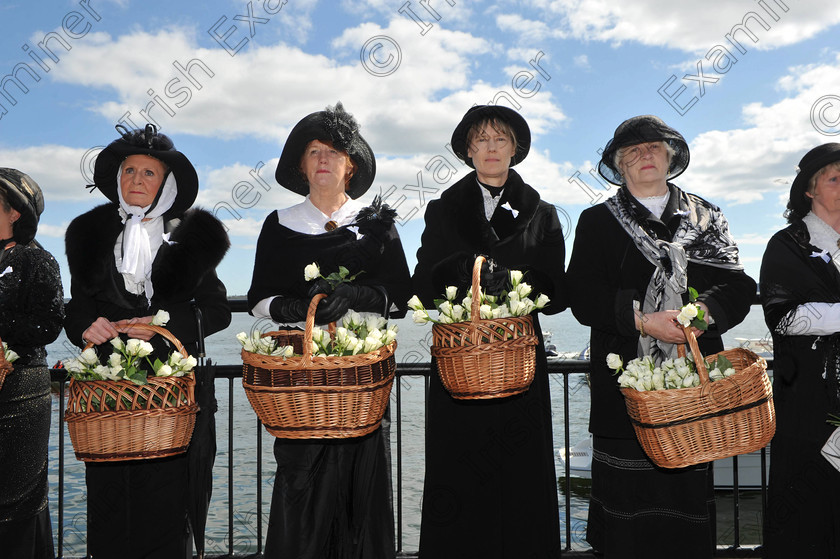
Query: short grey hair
point(619, 153)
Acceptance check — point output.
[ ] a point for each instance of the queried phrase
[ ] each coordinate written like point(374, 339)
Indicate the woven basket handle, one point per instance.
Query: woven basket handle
point(476, 285)
point(310, 324)
point(122, 329)
point(4, 365)
point(699, 363)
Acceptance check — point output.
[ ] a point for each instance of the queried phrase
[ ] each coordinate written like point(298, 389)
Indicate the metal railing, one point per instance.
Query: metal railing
point(562, 372)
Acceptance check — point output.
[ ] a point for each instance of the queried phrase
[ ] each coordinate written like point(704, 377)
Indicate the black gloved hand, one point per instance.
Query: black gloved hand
point(288, 309)
point(320, 285)
point(494, 283)
point(362, 298)
point(455, 269)
point(332, 308)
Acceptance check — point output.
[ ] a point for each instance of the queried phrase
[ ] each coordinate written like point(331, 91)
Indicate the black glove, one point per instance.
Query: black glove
point(288, 309)
point(332, 308)
point(455, 269)
point(362, 298)
point(493, 283)
point(319, 286)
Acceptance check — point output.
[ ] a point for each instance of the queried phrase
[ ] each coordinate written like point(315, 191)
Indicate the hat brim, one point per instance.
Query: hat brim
point(108, 164)
point(25, 196)
point(639, 130)
point(803, 177)
point(310, 128)
point(479, 113)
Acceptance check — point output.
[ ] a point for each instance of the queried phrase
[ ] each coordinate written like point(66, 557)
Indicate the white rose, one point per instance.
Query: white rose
point(242, 337)
point(420, 316)
point(115, 360)
point(161, 318)
point(145, 349)
point(414, 303)
point(542, 301)
point(614, 361)
point(132, 346)
point(689, 310)
point(189, 363)
point(164, 371)
point(484, 311)
point(515, 277)
point(88, 357)
point(311, 272)
point(117, 343)
point(683, 319)
point(175, 358)
point(523, 289)
point(729, 372)
point(451, 293)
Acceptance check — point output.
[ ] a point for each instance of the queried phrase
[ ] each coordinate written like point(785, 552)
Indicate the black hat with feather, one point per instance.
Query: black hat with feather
point(338, 127)
point(149, 142)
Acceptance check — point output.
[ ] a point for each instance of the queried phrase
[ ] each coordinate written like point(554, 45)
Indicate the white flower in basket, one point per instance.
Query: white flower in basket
point(11, 356)
point(516, 301)
point(644, 374)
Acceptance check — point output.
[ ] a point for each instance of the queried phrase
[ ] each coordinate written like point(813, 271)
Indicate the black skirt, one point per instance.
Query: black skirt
point(331, 500)
point(638, 510)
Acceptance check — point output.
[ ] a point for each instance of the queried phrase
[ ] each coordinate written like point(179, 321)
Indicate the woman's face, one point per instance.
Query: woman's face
point(141, 179)
point(825, 199)
point(644, 166)
point(491, 152)
point(325, 168)
point(7, 221)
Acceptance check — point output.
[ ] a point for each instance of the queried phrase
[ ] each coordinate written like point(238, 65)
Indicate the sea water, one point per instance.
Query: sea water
point(413, 346)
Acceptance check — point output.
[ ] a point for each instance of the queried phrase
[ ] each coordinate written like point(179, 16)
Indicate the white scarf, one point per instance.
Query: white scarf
point(140, 240)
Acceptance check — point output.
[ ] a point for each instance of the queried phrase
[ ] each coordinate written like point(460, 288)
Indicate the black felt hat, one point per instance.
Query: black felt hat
point(799, 204)
point(26, 197)
point(639, 130)
point(338, 127)
point(492, 112)
point(146, 142)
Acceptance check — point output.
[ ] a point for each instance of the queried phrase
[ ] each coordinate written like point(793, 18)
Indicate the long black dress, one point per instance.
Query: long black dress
point(331, 499)
point(803, 513)
point(138, 508)
point(638, 510)
point(31, 313)
point(490, 487)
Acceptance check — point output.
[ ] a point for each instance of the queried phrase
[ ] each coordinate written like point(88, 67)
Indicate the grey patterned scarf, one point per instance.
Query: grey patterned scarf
point(702, 237)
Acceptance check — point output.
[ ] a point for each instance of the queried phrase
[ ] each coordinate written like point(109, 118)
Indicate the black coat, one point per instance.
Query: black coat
point(490, 487)
point(607, 273)
point(331, 498)
point(183, 274)
point(802, 518)
point(31, 313)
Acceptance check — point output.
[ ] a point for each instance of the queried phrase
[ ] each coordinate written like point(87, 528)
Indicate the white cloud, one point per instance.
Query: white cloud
point(743, 165)
point(689, 26)
point(57, 169)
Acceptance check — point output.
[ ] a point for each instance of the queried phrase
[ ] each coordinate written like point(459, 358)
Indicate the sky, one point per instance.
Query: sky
point(752, 85)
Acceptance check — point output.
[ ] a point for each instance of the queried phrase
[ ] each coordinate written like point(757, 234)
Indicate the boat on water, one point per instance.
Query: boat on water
point(749, 466)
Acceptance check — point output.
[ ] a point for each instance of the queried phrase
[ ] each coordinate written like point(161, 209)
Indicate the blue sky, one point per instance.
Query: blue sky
point(761, 85)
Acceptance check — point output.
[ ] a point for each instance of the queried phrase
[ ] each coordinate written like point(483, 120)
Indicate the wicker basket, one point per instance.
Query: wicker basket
point(485, 358)
point(687, 426)
point(318, 397)
point(5, 366)
point(149, 421)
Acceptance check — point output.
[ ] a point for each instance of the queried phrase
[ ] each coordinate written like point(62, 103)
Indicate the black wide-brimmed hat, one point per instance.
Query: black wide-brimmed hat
point(339, 128)
point(492, 112)
point(799, 204)
point(26, 197)
point(146, 142)
point(639, 130)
